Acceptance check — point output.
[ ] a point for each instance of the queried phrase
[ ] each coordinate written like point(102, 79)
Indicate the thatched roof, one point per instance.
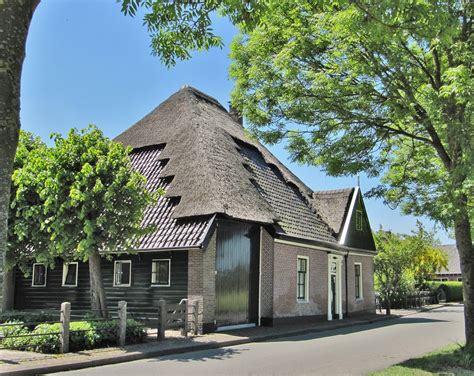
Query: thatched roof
point(212, 168)
point(333, 206)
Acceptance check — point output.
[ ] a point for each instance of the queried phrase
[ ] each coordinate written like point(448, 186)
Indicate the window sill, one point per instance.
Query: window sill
point(359, 299)
point(69, 286)
point(122, 285)
point(157, 285)
point(302, 301)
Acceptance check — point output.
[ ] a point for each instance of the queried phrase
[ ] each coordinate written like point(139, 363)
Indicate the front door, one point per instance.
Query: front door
point(333, 295)
point(334, 287)
point(236, 273)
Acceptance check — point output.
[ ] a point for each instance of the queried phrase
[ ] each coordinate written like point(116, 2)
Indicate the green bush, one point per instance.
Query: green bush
point(48, 342)
point(36, 317)
point(452, 289)
point(84, 335)
point(136, 331)
point(20, 343)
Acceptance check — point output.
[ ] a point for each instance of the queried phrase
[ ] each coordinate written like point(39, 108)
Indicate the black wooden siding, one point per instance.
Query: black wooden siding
point(360, 238)
point(141, 296)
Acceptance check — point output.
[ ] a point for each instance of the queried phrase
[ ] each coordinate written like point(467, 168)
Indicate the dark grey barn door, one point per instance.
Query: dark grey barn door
point(237, 273)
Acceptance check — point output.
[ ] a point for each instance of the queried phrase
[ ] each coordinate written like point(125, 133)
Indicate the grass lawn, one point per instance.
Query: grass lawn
point(449, 360)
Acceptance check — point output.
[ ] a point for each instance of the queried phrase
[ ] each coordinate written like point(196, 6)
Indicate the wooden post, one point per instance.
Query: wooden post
point(197, 318)
point(186, 319)
point(161, 320)
point(122, 323)
point(65, 319)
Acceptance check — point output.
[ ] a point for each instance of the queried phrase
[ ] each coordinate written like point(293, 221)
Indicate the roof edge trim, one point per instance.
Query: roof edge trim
point(347, 220)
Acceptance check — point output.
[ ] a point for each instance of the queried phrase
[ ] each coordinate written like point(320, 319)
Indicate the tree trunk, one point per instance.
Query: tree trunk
point(15, 18)
point(465, 248)
point(388, 308)
point(98, 302)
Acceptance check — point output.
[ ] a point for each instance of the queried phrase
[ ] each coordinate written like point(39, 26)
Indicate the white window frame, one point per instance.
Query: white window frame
point(129, 277)
point(45, 275)
point(361, 286)
point(156, 284)
point(65, 270)
point(359, 224)
point(306, 292)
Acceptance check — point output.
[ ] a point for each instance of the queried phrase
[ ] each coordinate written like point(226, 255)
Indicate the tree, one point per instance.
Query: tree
point(86, 201)
point(380, 87)
point(15, 17)
point(21, 236)
point(405, 262)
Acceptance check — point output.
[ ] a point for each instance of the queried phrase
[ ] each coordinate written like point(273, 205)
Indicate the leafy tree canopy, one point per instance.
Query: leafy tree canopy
point(406, 262)
point(380, 87)
point(77, 198)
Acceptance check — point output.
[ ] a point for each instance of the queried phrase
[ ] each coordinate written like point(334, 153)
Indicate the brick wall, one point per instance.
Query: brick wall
point(266, 261)
point(284, 289)
point(367, 303)
point(202, 280)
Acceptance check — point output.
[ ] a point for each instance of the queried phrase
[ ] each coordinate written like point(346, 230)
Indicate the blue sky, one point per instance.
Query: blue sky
point(88, 63)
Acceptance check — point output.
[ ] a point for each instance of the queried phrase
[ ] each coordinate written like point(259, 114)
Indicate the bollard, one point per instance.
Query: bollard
point(65, 319)
point(161, 320)
point(122, 323)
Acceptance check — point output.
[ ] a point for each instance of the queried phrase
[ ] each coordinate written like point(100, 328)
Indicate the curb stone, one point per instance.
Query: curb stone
point(121, 358)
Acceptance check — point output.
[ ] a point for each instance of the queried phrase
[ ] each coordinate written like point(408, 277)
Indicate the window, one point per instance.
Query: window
point(358, 280)
point(459, 279)
point(160, 272)
point(39, 275)
point(359, 220)
point(70, 271)
point(123, 273)
point(302, 279)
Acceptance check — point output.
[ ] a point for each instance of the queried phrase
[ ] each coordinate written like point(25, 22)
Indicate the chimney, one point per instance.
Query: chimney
point(235, 114)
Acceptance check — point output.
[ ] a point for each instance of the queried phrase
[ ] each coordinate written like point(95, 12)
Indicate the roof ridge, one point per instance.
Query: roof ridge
point(203, 95)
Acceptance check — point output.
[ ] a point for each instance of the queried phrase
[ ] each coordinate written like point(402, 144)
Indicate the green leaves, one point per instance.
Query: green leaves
point(404, 262)
point(77, 198)
point(379, 87)
point(177, 28)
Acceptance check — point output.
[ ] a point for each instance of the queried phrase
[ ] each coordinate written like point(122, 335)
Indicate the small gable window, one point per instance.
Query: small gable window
point(358, 220)
point(123, 273)
point(160, 272)
point(70, 272)
point(39, 275)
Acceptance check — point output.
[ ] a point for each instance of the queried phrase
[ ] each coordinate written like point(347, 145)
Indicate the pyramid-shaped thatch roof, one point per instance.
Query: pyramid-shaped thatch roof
point(193, 148)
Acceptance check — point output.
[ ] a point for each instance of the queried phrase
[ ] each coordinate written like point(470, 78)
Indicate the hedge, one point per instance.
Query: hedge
point(84, 335)
point(452, 289)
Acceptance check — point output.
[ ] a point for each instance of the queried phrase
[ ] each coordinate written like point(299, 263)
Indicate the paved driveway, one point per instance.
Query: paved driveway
point(351, 351)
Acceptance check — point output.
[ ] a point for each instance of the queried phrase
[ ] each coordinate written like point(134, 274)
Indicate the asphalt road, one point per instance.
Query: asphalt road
point(351, 351)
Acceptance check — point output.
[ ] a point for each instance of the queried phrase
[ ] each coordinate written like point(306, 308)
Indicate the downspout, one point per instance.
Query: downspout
point(346, 257)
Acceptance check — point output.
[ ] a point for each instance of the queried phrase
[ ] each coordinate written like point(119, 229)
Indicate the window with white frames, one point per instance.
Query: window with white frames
point(358, 280)
point(160, 272)
point(70, 272)
point(123, 273)
point(302, 279)
point(359, 220)
point(39, 275)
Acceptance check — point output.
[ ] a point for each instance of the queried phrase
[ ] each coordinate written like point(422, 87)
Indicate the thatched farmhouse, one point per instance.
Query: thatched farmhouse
point(236, 230)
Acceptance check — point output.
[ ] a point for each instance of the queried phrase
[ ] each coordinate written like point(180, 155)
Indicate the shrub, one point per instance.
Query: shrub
point(452, 289)
point(33, 317)
point(49, 341)
point(20, 343)
point(136, 331)
point(84, 335)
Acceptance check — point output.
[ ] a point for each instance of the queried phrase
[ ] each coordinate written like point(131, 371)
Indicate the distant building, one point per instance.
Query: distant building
point(453, 271)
